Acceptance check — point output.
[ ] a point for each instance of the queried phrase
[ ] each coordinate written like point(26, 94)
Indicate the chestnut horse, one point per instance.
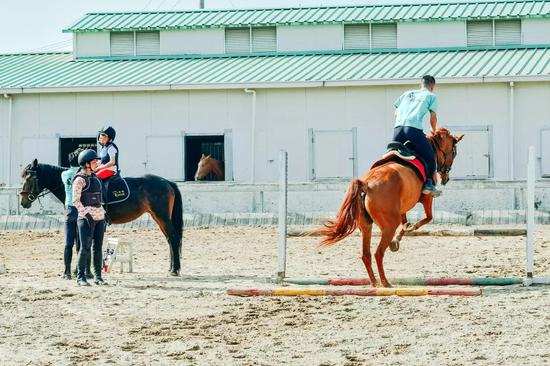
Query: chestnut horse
point(208, 165)
point(150, 193)
point(384, 195)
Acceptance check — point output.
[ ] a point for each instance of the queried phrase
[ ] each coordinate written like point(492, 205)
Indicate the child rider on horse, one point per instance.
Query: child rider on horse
point(411, 108)
point(108, 154)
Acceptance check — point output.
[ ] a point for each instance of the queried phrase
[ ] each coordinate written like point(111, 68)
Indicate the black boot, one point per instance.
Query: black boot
point(88, 271)
point(67, 258)
point(430, 189)
point(83, 257)
point(98, 266)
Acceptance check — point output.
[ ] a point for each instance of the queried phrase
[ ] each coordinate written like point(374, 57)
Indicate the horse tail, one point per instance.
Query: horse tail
point(177, 212)
point(346, 222)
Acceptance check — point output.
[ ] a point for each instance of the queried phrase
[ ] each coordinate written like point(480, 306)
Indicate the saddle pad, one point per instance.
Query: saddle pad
point(414, 164)
point(118, 191)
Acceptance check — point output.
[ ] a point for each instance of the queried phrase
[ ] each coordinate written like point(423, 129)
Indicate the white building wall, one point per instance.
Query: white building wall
point(92, 44)
point(536, 31)
point(192, 41)
point(310, 37)
point(282, 121)
point(431, 34)
point(479, 105)
point(532, 113)
point(3, 140)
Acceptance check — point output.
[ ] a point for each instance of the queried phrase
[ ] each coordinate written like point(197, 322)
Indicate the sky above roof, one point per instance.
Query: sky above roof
point(35, 25)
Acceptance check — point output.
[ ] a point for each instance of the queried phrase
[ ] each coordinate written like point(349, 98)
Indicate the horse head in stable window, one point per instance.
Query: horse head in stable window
point(209, 168)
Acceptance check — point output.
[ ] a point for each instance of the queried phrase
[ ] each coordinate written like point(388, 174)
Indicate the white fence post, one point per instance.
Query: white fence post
point(283, 196)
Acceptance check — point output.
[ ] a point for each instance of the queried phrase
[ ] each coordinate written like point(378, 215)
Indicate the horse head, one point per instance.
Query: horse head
point(444, 145)
point(31, 187)
point(204, 167)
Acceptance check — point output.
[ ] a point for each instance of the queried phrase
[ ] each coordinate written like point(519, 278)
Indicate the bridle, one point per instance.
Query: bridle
point(443, 168)
point(34, 192)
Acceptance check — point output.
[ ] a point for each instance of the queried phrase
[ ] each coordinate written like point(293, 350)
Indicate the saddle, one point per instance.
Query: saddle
point(117, 190)
point(403, 154)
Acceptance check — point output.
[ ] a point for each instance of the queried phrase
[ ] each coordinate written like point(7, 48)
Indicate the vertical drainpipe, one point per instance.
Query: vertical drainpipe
point(511, 127)
point(253, 135)
point(10, 106)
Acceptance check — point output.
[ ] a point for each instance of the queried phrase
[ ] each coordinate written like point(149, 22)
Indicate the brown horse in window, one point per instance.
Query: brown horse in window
point(384, 195)
point(208, 165)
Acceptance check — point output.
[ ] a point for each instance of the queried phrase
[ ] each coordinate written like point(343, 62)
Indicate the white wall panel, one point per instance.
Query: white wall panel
point(92, 44)
point(431, 34)
point(532, 113)
point(132, 120)
point(192, 41)
point(536, 31)
point(310, 38)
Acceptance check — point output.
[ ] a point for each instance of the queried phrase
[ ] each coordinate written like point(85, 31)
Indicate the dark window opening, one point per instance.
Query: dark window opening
point(195, 146)
point(69, 144)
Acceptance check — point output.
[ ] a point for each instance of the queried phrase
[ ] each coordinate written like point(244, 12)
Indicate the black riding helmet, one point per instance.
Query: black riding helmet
point(86, 156)
point(109, 131)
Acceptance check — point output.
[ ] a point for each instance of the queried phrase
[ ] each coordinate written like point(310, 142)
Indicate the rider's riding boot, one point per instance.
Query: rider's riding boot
point(430, 189)
point(81, 276)
point(98, 265)
point(67, 258)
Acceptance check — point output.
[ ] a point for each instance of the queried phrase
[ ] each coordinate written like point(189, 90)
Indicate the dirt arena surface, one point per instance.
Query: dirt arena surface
point(150, 318)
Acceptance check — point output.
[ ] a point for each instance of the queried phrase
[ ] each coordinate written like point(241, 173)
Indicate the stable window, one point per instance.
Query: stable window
point(135, 43)
point(147, 43)
point(493, 32)
point(264, 39)
point(244, 40)
point(384, 35)
point(69, 144)
point(356, 36)
point(196, 146)
point(122, 43)
point(237, 40)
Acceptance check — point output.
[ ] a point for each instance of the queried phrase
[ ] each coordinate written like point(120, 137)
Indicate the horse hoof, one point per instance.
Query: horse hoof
point(408, 227)
point(394, 245)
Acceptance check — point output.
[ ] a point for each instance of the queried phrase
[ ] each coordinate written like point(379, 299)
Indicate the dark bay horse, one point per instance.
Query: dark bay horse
point(208, 165)
point(384, 195)
point(150, 193)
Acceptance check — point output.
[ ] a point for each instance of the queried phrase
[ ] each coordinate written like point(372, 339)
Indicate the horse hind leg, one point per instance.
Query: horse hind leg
point(364, 222)
point(387, 234)
point(165, 224)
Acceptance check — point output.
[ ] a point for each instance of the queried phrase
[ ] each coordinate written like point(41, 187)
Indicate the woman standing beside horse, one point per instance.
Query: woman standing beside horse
point(91, 216)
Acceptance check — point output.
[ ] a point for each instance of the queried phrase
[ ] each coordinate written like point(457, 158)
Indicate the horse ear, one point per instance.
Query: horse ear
point(457, 139)
point(202, 156)
point(209, 156)
point(35, 163)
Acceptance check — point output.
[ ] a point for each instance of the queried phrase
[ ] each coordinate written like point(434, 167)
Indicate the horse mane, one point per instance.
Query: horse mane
point(49, 177)
point(217, 168)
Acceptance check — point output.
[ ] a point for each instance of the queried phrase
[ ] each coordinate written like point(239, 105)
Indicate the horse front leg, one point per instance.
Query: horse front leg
point(427, 202)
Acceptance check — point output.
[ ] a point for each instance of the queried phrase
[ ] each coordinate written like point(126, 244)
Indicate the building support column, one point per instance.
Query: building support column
point(253, 137)
point(9, 144)
point(511, 127)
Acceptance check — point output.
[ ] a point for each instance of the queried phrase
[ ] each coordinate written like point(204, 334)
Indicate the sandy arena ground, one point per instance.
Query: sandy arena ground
point(149, 318)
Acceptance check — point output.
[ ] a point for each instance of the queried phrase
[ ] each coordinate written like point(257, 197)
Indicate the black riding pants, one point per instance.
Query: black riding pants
point(421, 145)
point(91, 237)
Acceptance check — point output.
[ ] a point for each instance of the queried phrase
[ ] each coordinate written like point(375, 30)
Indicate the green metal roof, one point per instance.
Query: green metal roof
point(165, 20)
point(57, 72)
